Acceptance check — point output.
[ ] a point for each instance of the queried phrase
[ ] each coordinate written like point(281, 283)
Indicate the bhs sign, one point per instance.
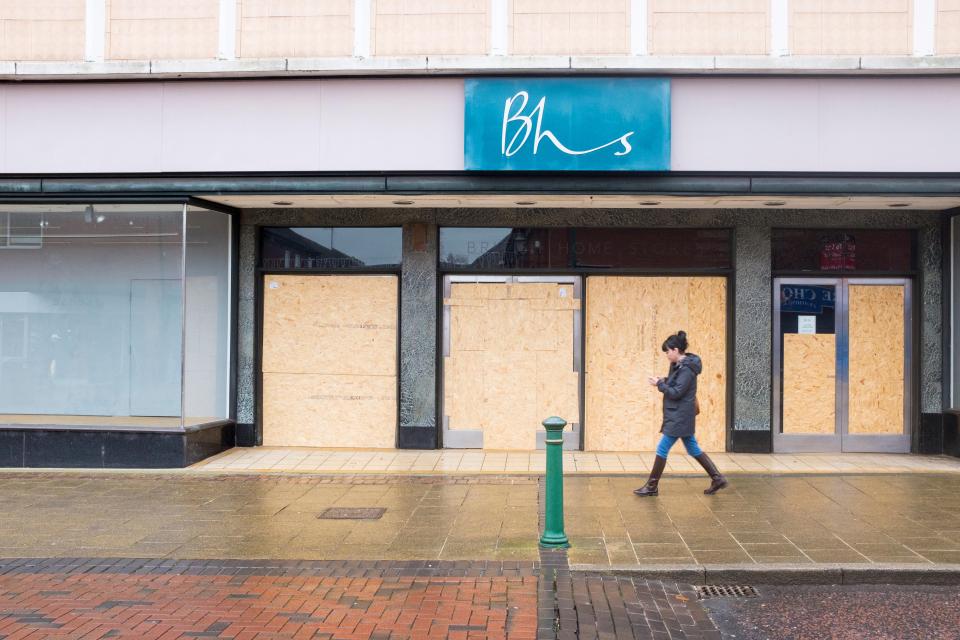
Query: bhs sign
point(567, 124)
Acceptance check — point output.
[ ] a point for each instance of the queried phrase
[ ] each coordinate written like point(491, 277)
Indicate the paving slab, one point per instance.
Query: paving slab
point(483, 462)
point(759, 520)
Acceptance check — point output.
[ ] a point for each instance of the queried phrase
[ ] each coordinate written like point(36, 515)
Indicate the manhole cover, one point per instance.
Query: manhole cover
point(352, 513)
point(726, 591)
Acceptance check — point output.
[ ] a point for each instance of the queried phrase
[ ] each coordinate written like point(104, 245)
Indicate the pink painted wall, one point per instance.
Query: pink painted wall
point(719, 124)
point(257, 125)
point(816, 124)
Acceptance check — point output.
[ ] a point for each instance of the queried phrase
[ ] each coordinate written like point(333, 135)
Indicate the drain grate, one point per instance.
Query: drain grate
point(708, 591)
point(352, 513)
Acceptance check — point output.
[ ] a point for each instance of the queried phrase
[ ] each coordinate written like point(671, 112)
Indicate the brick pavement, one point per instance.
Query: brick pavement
point(99, 598)
point(594, 606)
point(93, 598)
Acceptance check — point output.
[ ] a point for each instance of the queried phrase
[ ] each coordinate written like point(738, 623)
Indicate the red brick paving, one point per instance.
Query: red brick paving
point(258, 607)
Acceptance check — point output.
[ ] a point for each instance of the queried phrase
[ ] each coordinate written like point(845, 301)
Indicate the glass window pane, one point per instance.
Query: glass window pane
point(653, 248)
point(207, 317)
point(25, 230)
point(91, 312)
point(884, 250)
point(506, 248)
point(331, 248)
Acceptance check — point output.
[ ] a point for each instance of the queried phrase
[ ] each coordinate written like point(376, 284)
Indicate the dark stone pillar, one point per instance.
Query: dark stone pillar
point(246, 432)
point(752, 342)
point(418, 338)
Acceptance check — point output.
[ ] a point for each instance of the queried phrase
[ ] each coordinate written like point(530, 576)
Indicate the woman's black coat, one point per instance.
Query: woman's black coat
point(679, 390)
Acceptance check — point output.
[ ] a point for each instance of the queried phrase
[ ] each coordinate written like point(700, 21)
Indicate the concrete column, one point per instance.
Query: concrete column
point(930, 291)
point(752, 342)
point(418, 338)
point(246, 337)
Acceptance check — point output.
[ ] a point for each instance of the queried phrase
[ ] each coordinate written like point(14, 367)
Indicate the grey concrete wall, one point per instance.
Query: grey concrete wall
point(753, 339)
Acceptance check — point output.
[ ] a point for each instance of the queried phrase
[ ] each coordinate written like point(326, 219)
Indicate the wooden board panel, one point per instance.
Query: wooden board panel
point(628, 319)
point(511, 360)
point(330, 324)
point(809, 383)
point(316, 410)
point(329, 361)
point(877, 376)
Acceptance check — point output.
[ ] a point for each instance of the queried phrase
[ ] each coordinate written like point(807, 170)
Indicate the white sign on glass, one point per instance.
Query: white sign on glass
point(807, 324)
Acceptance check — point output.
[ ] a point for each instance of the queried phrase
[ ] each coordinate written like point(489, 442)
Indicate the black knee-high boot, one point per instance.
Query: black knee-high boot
point(653, 482)
point(717, 481)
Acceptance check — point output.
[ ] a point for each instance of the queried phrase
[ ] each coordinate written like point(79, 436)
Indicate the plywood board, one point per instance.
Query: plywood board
point(877, 376)
point(330, 324)
point(809, 383)
point(628, 319)
point(511, 360)
point(329, 361)
point(316, 410)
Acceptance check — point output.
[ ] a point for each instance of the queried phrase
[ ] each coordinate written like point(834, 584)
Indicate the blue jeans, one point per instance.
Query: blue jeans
point(690, 442)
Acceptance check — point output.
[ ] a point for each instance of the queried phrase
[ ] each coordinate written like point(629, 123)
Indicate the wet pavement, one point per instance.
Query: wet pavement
point(259, 600)
point(881, 612)
point(155, 516)
point(759, 519)
point(766, 519)
point(246, 557)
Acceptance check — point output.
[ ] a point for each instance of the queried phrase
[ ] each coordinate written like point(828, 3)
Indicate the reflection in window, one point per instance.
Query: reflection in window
point(509, 248)
point(92, 317)
point(21, 230)
point(800, 250)
point(331, 248)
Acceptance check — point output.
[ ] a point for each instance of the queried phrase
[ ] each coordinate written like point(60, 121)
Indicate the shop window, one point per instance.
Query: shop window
point(507, 248)
point(20, 231)
point(845, 250)
point(330, 248)
point(93, 319)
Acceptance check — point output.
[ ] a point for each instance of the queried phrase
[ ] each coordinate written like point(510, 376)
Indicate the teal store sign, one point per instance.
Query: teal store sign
point(567, 124)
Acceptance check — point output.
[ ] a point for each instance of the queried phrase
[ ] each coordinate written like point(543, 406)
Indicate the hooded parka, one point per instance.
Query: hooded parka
point(679, 391)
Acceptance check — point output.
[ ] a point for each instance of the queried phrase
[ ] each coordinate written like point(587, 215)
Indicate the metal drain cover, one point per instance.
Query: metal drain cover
point(708, 591)
point(352, 513)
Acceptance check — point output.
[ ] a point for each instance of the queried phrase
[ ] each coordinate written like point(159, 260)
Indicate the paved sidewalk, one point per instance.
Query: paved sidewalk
point(246, 557)
point(759, 519)
point(259, 600)
point(451, 461)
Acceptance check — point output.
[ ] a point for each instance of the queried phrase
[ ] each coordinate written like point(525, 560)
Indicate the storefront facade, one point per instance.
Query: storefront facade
point(444, 262)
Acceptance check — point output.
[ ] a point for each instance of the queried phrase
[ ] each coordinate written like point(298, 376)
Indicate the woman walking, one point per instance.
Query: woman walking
point(680, 409)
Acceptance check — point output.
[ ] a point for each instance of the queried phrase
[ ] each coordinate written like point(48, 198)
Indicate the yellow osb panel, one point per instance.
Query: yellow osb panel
point(628, 319)
point(330, 360)
point(511, 360)
point(330, 324)
point(809, 383)
point(314, 410)
point(876, 359)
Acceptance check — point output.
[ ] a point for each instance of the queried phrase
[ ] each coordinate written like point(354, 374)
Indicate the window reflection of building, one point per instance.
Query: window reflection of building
point(585, 248)
point(287, 249)
point(330, 248)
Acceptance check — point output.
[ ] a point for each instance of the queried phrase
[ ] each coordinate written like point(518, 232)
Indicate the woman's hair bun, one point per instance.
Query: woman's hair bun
point(676, 341)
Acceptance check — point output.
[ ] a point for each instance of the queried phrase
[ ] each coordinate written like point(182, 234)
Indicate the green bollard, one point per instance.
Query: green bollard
point(553, 534)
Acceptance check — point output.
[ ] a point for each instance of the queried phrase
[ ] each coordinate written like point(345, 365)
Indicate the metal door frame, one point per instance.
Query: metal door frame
point(841, 440)
point(801, 442)
point(473, 438)
point(881, 443)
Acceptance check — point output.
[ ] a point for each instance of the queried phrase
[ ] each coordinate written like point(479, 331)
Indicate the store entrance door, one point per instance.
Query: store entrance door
point(842, 362)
